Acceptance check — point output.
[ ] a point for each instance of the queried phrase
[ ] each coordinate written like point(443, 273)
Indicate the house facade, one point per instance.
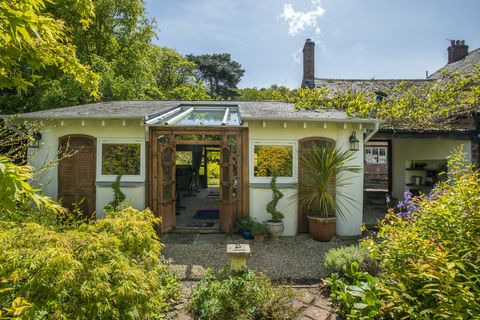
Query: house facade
point(413, 158)
point(165, 152)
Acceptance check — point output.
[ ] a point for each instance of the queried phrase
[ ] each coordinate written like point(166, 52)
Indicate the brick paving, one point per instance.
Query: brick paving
point(310, 303)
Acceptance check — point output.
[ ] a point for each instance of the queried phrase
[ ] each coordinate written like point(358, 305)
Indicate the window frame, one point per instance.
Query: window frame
point(376, 156)
point(290, 143)
point(130, 178)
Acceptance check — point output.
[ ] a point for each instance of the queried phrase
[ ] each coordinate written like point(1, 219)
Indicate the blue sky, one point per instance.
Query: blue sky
point(354, 38)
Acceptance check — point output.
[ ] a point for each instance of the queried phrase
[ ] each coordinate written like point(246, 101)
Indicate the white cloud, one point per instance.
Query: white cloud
point(299, 20)
point(297, 55)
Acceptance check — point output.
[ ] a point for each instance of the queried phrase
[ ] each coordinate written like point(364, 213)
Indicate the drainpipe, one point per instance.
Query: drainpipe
point(372, 133)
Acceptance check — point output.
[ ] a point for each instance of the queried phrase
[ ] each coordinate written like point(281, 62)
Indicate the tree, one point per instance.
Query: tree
point(31, 40)
point(219, 72)
point(272, 93)
point(116, 43)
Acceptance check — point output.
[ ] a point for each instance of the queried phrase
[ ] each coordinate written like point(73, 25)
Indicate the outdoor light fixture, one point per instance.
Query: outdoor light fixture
point(36, 137)
point(354, 142)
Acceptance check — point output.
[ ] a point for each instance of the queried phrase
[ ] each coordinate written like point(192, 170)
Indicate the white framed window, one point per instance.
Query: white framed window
point(271, 157)
point(124, 157)
point(376, 155)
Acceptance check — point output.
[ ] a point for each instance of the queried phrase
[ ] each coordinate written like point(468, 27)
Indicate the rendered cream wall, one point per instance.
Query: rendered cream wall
point(419, 149)
point(274, 131)
point(53, 130)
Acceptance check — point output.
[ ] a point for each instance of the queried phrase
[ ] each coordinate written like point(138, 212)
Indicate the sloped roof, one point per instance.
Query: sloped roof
point(464, 66)
point(367, 85)
point(254, 110)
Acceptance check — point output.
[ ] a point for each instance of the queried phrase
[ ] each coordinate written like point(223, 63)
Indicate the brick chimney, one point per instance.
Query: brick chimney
point(308, 64)
point(457, 50)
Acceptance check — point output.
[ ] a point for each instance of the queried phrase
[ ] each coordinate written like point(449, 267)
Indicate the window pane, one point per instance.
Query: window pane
point(269, 160)
point(382, 151)
point(121, 159)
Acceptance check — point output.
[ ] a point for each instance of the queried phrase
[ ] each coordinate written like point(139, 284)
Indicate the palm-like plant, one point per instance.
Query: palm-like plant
point(323, 172)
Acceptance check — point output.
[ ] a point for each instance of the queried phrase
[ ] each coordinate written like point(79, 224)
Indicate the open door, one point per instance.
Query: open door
point(166, 185)
point(226, 189)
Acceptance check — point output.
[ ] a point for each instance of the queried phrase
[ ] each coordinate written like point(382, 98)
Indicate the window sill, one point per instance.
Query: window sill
point(123, 184)
point(280, 185)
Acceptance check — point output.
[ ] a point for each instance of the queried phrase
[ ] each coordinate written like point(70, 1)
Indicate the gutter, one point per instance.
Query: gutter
point(334, 120)
point(372, 133)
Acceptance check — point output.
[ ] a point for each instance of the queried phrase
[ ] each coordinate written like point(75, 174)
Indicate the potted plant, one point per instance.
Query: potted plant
point(245, 227)
point(323, 172)
point(259, 230)
point(275, 224)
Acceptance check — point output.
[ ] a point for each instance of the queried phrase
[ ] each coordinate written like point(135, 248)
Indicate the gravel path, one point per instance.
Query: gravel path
point(298, 259)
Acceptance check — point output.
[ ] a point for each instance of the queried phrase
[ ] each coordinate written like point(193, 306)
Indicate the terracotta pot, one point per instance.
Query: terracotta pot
point(275, 229)
point(258, 238)
point(322, 229)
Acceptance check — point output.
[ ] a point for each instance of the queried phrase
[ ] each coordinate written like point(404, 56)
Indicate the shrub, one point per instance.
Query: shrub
point(259, 229)
point(108, 269)
point(430, 258)
point(359, 294)
point(339, 260)
point(240, 295)
point(271, 206)
point(246, 224)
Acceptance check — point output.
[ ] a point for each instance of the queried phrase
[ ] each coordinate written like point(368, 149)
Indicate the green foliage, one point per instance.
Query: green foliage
point(325, 180)
point(339, 260)
point(245, 224)
point(271, 206)
point(16, 193)
point(213, 168)
point(116, 42)
point(360, 296)
point(121, 159)
point(273, 160)
point(220, 73)
point(272, 93)
point(240, 295)
point(32, 40)
point(259, 229)
point(118, 196)
point(16, 310)
point(430, 261)
point(428, 106)
point(108, 269)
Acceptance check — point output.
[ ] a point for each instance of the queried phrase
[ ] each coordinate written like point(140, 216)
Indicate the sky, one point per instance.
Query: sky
point(361, 39)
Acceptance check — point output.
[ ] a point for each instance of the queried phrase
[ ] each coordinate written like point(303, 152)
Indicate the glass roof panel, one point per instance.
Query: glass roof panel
point(199, 116)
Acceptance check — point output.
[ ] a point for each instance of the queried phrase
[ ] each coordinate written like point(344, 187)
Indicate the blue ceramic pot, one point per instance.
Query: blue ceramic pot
point(247, 235)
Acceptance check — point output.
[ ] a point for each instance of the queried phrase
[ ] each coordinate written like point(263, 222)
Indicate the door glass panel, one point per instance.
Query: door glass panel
point(232, 142)
point(164, 138)
point(198, 137)
point(167, 192)
point(167, 154)
point(167, 173)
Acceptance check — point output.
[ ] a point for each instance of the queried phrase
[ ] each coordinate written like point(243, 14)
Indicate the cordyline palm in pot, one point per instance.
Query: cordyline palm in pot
point(323, 187)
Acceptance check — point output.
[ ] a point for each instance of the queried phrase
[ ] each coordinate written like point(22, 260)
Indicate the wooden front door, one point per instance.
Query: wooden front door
point(76, 174)
point(165, 173)
point(303, 146)
point(226, 189)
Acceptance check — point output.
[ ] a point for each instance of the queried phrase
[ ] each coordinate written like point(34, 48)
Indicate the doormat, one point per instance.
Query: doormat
point(206, 214)
point(200, 224)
